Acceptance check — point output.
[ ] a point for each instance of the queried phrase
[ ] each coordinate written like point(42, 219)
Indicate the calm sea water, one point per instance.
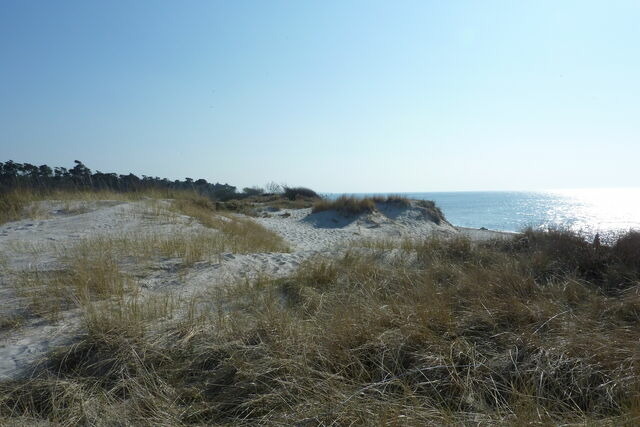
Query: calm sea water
point(588, 211)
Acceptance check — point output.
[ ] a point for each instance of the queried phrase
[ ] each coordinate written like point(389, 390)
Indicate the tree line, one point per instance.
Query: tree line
point(25, 175)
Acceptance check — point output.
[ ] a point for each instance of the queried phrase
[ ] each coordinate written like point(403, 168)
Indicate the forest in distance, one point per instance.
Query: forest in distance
point(80, 177)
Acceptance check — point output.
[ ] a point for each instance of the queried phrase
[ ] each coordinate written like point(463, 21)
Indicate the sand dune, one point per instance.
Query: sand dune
point(38, 245)
point(329, 229)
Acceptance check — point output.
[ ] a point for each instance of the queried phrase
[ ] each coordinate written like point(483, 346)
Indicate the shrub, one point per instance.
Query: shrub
point(393, 199)
point(346, 205)
point(556, 253)
point(627, 249)
point(252, 191)
point(293, 193)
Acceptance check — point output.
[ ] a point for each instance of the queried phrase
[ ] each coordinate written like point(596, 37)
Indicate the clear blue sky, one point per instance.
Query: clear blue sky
point(340, 96)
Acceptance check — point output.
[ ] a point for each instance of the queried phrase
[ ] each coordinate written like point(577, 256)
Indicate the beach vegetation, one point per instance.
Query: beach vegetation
point(394, 199)
point(293, 193)
point(449, 332)
point(549, 253)
point(252, 191)
point(351, 205)
point(346, 205)
point(241, 235)
point(22, 184)
point(23, 202)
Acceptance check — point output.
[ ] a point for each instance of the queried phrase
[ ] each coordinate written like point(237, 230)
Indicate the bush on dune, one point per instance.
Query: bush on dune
point(552, 253)
point(293, 193)
point(394, 199)
point(346, 205)
point(350, 205)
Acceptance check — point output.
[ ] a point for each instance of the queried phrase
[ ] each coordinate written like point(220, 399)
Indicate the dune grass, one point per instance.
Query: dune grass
point(452, 332)
point(92, 269)
point(242, 235)
point(346, 205)
point(20, 203)
point(86, 276)
point(253, 205)
point(280, 202)
point(10, 321)
point(392, 199)
point(350, 205)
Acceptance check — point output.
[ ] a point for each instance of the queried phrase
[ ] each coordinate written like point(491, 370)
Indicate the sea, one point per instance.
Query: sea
point(609, 211)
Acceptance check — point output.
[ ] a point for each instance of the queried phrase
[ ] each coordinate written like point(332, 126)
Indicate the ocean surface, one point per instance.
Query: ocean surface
point(589, 211)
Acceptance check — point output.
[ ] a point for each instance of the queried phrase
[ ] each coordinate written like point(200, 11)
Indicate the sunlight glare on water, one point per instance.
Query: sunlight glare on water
point(588, 211)
point(597, 210)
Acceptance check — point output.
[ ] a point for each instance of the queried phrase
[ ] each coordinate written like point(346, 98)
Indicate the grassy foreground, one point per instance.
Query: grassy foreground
point(544, 329)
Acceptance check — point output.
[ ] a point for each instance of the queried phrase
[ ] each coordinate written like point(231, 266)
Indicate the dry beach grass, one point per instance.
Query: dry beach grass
point(544, 328)
point(352, 206)
point(541, 328)
point(90, 269)
point(19, 203)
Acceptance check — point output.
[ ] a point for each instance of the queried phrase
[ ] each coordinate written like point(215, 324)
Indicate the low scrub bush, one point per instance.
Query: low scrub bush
point(346, 205)
point(350, 205)
point(392, 199)
point(556, 253)
point(293, 193)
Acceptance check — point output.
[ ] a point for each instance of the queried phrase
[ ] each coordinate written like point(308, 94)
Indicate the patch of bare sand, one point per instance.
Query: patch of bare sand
point(330, 230)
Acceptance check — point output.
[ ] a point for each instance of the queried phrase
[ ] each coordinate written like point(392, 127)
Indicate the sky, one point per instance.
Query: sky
point(340, 96)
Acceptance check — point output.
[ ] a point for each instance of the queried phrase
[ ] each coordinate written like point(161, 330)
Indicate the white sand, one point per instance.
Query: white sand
point(329, 230)
point(36, 244)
